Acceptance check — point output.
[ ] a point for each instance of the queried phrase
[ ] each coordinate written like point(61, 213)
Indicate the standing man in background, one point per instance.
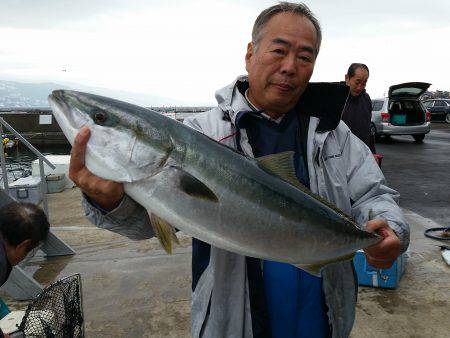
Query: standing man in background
point(357, 113)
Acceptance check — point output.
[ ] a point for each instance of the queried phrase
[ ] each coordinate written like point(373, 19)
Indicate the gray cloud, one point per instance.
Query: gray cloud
point(47, 14)
point(340, 16)
point(343, 16)
point(44, 14)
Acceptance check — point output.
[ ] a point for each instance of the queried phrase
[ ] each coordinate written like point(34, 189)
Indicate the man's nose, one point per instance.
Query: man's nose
point(289, 65)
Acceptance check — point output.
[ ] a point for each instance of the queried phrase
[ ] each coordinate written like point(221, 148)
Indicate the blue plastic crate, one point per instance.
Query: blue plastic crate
point(381, 278)
point(398, 119)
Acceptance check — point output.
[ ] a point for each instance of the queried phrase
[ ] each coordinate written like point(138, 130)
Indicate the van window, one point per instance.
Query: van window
point(439, 103)
point(407, 91)
point(408, 105)
point(377, 105)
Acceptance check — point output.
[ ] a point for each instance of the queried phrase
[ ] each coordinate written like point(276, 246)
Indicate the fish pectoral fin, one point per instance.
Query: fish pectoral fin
point(165, 232)
point(316, 269)
point(194, 187)
point(281, 165)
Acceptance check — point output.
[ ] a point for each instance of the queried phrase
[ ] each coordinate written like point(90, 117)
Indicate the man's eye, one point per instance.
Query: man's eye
point(305, 58)
point(278, 51)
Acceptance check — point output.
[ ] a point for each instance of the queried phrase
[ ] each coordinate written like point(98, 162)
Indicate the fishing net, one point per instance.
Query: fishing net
point(57, 312)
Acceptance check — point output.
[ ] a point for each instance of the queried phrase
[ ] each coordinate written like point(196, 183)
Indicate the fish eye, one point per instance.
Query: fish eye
point(100, 117)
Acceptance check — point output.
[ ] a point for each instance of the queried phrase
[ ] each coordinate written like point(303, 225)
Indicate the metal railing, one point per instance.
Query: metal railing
point(40, 156)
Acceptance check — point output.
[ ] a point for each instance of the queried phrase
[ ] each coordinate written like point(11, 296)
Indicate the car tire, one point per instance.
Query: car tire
point(447, 118)
point(419, 137)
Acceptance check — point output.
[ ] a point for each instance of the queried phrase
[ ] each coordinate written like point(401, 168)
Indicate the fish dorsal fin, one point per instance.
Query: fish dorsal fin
point(193, 186)
point(316, 269)
point(165, 232)
point(281, 165)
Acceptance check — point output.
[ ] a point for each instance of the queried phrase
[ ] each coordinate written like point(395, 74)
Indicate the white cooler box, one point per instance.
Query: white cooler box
point(55, 183)
point(61, 162)
point(27, 189)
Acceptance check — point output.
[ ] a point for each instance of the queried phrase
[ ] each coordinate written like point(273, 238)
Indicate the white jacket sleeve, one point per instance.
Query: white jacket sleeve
point(129, 219)
point(368, 190)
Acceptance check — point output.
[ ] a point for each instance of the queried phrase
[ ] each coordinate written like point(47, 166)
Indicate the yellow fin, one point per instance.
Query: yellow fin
point(312, 269)
point(165, 232)
point(316, 269)
point(281, 165)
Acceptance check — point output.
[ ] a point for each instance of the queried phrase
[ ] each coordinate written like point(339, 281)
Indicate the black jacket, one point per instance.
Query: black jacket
point(357, 115)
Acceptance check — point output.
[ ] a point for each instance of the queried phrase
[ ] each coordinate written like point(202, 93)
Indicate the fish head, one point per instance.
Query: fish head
point(124, 146)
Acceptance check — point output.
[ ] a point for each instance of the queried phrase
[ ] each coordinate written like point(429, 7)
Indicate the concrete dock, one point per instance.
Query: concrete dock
point(134, 289)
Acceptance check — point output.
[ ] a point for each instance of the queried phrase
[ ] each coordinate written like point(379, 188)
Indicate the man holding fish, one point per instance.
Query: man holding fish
point(239, 288)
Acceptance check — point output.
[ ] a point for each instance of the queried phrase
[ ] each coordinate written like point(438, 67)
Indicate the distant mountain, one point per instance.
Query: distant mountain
point(18, 94)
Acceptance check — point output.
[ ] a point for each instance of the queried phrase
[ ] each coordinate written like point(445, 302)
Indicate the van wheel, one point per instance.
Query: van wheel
point(419, 138)
point(447, 118)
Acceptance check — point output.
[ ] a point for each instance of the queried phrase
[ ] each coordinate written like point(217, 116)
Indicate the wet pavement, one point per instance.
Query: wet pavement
point(134, 289)
point(419, 307)
point(421, 171)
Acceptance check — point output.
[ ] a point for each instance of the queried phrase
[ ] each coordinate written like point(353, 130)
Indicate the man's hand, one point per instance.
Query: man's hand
point(383, 254)
point(107, 194)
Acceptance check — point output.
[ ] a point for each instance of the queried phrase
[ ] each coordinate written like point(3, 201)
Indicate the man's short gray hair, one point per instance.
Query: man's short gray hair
point(284, 7)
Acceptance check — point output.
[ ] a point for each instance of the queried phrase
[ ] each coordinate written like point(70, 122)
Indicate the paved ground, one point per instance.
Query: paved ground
point(420, 306)
point(133, 289)
point(421, 172)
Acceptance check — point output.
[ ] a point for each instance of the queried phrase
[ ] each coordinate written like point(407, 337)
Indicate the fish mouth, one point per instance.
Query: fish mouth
point(61, 109)
point(69, 118)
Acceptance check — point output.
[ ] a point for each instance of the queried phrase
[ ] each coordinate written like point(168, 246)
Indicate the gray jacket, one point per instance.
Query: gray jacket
point(341, 169)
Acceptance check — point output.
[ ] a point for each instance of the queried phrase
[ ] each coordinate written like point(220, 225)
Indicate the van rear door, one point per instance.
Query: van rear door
point(408, 89)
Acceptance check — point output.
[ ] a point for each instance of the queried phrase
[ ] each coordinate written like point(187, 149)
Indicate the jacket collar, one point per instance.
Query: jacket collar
point(231, 101)
point(323, 100)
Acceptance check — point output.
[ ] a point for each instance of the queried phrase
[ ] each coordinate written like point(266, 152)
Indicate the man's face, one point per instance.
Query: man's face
point(357, 82)
point(17, 253)
point(281, 66)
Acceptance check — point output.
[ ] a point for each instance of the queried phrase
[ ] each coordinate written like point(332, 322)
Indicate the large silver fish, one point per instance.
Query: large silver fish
point(254, 207)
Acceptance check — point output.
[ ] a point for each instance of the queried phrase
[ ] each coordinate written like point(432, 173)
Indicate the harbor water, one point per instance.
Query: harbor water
point(20, 158)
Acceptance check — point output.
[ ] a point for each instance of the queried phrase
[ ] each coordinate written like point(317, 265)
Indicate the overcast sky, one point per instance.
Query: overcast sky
point(188, 49)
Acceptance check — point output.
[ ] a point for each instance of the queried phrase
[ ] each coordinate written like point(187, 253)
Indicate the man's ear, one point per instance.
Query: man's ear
point(346, 78)
point(25, 246)
point(248, 55)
